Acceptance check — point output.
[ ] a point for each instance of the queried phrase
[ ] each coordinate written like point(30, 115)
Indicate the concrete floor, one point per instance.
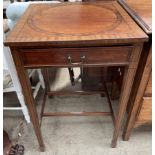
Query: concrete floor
point(73, 135)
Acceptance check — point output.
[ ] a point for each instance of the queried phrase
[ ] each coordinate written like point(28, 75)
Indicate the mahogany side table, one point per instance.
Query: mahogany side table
point(140, 103)
point(72, 35)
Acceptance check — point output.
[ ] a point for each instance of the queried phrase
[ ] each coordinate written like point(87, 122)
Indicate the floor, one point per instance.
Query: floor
point(82, 135)
point(74, 135)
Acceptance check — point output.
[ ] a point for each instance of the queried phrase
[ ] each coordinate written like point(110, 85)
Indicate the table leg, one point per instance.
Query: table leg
point(46, 79)
point(137, 96)
point(27, 92)
point(125, 92)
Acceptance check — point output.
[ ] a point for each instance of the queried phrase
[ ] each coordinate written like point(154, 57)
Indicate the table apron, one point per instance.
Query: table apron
point(76, 57)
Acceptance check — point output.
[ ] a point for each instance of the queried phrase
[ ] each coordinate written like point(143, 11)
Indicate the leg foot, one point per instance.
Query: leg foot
point(113, 144)
point(42, 148)
point(125, 137)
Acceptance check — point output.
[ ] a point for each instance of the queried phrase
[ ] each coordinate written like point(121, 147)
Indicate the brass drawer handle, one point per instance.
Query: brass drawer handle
point(76, 63)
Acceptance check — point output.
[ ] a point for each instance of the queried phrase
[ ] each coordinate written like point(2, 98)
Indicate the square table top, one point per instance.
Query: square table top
point(75, 23)
point(141, 11)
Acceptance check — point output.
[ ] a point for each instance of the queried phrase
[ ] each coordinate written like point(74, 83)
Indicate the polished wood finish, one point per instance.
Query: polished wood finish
point(58, 24)
point(75, 26)
point(125, 93)
point(145, 113)
point(140, 103)
point(77, 114)
point(140, 107)
point(76, 92)
point(59, 56)
point(27, 91)
point(141, 11)
point(148, 90)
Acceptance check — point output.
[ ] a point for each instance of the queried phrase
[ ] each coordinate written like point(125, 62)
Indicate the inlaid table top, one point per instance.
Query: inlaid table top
point(53, 24)
point(141, 11)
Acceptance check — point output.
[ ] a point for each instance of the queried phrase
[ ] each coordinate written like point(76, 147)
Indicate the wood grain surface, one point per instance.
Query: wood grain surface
point(145, 113)
point(148, 91)
point(141, 11)
point(93, 56)
point(53, 24)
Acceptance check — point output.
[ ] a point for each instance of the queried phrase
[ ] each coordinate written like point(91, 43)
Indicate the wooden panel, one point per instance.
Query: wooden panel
point(146, 110)
point(141, 11)
point(54, 24)
point(148, 91)
point(137, 94)
point(59, 56)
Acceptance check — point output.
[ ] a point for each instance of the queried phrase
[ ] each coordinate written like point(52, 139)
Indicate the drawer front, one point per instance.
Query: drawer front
point(148, 91)
point(75, 56)
point(145, 113)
